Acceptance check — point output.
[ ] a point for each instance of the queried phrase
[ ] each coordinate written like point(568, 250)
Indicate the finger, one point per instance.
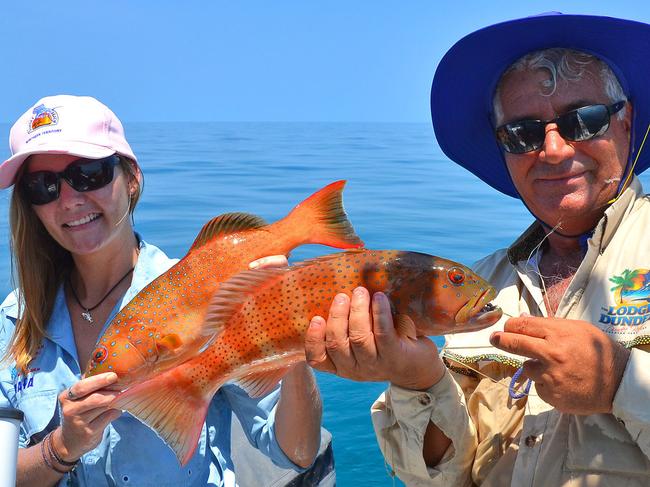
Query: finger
point(534, 369)
point(533, 326)
point(315, 349)
point(86, 386)
point(362, 339)
point(336, 333)
point(382, 323)
point(103, 420)
point(519, 344)
point(269, 261)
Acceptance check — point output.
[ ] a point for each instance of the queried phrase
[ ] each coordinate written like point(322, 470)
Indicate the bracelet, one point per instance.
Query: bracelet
point(46, 460)
point(56, 455)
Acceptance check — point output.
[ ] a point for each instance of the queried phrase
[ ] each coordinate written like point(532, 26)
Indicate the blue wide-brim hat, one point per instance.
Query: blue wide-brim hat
point(464, 83)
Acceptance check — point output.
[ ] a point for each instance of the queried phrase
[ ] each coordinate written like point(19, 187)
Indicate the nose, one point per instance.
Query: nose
point(68, 196)
point(555, 149)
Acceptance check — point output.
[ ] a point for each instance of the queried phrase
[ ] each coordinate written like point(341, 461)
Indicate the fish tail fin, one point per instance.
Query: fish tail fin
point(321, 219)
point(175, 412)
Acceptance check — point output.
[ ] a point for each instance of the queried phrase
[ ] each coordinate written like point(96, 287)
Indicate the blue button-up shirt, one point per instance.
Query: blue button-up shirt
point(130, 454)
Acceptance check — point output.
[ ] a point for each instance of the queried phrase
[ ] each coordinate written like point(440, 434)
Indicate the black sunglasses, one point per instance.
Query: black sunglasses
point(82, 175)
point(576, 125)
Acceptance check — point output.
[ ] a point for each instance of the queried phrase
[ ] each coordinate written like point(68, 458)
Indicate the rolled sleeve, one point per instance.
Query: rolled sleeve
point(257, 417)
point(632, 398)
point(400, 418)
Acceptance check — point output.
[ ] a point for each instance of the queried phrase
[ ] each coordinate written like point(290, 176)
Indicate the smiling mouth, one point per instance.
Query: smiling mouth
point(562, 177)
point(82, 221)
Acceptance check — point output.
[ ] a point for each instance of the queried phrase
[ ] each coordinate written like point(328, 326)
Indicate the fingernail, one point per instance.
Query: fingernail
point(253, 265)
point(378, 297)
point(340, 298)
point(494, 337)
point(314, 323)
point(111, 377)
point(358, 291)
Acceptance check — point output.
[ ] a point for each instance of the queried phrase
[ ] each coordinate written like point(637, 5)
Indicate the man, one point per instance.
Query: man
point(553, 110)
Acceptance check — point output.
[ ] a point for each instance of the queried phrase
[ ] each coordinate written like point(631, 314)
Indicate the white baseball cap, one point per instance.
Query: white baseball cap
point(64, 124)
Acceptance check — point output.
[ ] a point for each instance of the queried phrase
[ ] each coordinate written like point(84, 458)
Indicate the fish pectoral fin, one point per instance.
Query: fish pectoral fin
point(172, 406)
point(259, 384)
point(170, 342)
point(405, 326)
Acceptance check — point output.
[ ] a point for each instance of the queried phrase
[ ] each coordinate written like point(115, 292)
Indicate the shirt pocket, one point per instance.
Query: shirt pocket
point(40, 407)
point(600, 444)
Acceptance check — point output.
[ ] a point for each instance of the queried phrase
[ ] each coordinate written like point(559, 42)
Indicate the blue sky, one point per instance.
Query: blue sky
point(247, 60)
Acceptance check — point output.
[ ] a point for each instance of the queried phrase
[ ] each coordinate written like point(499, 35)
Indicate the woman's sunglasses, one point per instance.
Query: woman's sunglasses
point(576, 125)
point(82, 175)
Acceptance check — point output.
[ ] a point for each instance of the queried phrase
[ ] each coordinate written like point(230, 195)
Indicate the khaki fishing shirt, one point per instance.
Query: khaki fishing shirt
point(498, 441)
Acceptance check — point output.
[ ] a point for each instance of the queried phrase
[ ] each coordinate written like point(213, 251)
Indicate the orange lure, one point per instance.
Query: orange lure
point(164, 324)
point(263, 316)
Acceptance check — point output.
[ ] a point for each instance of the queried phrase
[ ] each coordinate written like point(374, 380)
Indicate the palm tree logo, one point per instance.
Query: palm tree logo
point(631, 286)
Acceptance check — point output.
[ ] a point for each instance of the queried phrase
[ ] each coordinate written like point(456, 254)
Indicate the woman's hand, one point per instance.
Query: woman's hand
point(85, 415)
point(359, 342)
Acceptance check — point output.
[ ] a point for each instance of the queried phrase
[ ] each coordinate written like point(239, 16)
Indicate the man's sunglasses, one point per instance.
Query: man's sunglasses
point(82, 175)
point(576, 125)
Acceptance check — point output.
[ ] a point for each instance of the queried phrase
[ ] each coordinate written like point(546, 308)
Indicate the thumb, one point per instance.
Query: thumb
point(382, 322)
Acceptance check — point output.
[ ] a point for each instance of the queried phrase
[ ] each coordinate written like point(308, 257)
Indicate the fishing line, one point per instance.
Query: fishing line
point(526, 390)
point(631, 171)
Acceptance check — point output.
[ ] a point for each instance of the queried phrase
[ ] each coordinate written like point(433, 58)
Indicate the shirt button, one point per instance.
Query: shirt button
point(530, 441)
point(424, 399)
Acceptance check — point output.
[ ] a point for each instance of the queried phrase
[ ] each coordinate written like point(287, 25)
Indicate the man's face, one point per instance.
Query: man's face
point(564, 182)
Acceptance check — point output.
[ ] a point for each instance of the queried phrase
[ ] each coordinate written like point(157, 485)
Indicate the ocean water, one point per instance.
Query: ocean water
point(402, 193)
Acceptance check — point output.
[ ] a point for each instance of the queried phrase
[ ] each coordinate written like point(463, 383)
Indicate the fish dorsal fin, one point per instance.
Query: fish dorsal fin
point(226, 224)
point(234, 292)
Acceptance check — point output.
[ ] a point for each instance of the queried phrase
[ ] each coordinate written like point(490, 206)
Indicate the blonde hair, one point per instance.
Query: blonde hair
point(39, 266)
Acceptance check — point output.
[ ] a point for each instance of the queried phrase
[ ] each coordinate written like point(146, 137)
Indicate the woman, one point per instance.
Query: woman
point(78, 261)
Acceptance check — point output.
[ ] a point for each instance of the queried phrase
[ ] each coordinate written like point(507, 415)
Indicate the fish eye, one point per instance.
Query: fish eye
point(456, 276)
point(100, 354)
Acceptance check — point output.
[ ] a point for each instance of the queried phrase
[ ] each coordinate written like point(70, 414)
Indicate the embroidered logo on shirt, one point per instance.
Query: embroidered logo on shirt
point(23, 382)
point(632, 297)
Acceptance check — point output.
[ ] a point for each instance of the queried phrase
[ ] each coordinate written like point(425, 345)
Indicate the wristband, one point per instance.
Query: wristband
point(56, 455)
point(46, 460)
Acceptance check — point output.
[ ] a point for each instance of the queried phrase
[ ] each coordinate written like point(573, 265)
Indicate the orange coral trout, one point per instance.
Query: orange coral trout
point(263, 316)
point(164, 324)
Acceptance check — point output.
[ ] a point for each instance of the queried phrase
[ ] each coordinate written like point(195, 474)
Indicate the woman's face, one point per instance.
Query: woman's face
point(84, 223)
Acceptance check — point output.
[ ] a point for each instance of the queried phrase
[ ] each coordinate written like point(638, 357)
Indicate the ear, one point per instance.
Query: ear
point(133, 187)
point(627, 121)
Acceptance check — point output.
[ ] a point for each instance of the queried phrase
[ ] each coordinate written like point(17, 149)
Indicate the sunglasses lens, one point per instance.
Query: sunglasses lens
point(584, 123)
point(521, 137)
point(83, 175)
point(89, 174)
point(42, 187)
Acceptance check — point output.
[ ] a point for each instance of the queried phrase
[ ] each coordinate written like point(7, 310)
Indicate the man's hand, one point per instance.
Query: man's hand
point(359, 342)
point(575, 366)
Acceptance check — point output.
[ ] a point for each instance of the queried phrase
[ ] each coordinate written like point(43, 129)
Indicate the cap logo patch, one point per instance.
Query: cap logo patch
point(42, 117)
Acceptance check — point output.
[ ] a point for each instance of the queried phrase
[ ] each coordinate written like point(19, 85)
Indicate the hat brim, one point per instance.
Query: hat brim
point(465, 80)
point(10, 167)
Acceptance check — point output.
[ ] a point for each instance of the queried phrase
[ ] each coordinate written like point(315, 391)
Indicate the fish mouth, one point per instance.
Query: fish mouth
point(479, 314)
